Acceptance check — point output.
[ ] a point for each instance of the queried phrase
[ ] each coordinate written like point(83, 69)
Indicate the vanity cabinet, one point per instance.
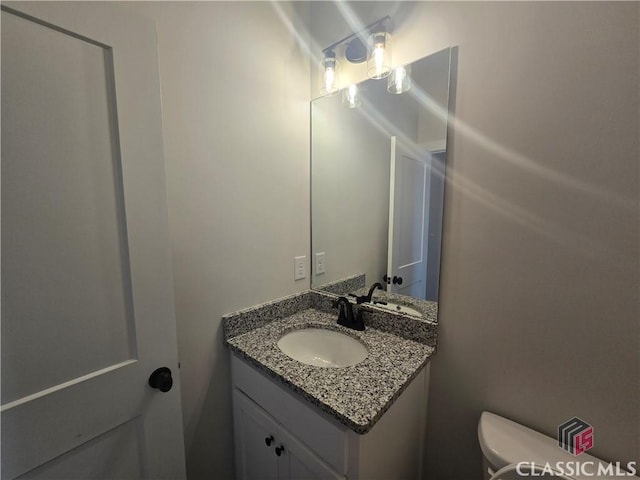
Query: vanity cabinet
point(270, 419)
point(265, 450)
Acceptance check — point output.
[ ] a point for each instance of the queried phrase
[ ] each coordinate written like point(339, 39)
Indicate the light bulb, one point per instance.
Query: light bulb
point(329, 74)
point(400, 74)
point(399, 81)
point(329, 79)
point(379, 62)
point(378, 56)
point(350, 97)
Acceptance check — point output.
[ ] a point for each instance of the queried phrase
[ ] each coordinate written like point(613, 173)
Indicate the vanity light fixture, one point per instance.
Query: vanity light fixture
point(351, 96)
point(399, 81)
point(372, 43)
point(329, 71)
point(379, 61)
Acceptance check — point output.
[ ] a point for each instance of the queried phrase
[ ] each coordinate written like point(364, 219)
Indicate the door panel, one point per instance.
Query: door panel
point(65, 256)
point(408, 220)
point(87, 297)
point(410, 192)
point(125, 462)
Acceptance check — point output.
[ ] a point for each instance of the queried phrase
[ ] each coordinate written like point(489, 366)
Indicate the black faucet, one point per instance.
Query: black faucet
point(346, 317)
point(368, 296)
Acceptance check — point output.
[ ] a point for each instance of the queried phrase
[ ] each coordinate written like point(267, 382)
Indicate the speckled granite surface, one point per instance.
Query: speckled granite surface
point(248, 319)
point(356, 396)
point(344, 285)
point(419, 329)
point(428, 309)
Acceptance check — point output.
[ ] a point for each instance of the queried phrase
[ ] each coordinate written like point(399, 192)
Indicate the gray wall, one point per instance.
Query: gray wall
point(539, 293)
point(236, 130)
point(540, 273)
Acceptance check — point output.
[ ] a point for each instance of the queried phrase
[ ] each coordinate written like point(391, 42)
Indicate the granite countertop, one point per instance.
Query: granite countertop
point(427, 308)
point(356, 396)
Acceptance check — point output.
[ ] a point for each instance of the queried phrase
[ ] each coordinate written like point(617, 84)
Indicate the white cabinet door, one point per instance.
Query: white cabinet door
point(265, 450)
point(299, 463)
point(255, 440)
point(87, 296)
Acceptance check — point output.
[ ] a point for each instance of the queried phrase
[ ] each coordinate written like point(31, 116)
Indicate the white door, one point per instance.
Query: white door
point(408, 220)
point(87, 300)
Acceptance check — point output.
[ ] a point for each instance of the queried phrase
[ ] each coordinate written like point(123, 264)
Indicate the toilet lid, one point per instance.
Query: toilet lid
point(504, 442)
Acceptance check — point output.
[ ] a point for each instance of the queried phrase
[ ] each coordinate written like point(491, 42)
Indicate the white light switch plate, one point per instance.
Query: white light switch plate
point(299, 268)
point(319, 263)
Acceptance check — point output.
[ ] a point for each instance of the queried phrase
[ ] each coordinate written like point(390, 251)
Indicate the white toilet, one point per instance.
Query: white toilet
point(505, 443)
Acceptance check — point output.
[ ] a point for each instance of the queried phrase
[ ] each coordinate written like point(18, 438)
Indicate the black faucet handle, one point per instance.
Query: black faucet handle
point(359, 298)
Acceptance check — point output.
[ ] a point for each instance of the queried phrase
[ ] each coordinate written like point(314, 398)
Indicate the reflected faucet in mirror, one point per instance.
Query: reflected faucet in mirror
point(367, 298)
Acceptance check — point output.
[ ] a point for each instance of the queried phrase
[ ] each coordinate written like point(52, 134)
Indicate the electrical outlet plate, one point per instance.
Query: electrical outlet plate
point(299, 268)
point(320, 265)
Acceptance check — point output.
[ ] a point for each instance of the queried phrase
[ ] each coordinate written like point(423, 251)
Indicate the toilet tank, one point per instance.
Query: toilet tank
point(504, 442)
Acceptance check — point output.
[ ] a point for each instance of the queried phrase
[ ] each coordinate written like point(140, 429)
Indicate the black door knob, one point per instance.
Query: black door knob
point(397, 280)
point(161, 379)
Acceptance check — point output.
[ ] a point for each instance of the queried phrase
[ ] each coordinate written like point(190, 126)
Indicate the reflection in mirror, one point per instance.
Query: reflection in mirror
point(377, 188)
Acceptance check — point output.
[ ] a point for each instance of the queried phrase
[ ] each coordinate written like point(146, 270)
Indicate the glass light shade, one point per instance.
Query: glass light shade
point(399, 81)
point(379, 55)
point(329, 74)
point(351, 97)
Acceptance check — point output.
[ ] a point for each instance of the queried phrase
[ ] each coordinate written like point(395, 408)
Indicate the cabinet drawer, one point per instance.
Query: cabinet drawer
point(324, 436)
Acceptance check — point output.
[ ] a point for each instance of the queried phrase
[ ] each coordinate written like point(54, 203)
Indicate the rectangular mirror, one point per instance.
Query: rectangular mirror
point(377, 186)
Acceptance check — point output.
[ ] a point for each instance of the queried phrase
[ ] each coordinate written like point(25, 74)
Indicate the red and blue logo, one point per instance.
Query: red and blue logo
point(575, 436)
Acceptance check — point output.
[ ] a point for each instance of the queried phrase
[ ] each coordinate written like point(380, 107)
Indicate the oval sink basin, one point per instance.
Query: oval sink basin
point(322, 348)
point(395, 307)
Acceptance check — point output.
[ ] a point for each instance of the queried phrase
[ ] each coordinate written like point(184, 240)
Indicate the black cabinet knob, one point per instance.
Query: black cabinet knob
point(279, 450)
point(397, 280)
point(386, 279)
point(161, 379)
point(268, 440)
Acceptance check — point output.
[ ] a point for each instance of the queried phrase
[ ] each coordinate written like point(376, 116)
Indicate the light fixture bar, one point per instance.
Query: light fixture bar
point(369, 29)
